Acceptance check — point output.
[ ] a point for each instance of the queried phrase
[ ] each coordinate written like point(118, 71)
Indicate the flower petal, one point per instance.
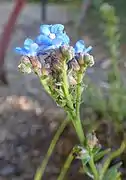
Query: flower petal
point(28, 42)
point(42, 39)
point(47, 48)
point(18, 50)
point(88, 49)
point(57, 42)
point(65, 39)
point(33, 49)
point(57, 28)
point(21, 51)
point(79, 46)
point(43, 49)
point(45, 29)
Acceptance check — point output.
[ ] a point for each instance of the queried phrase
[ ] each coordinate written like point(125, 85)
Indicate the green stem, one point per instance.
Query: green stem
point(93, 168)
point(69, 101)
point(66, 88)
point(44, 83)
point(111, 157)
point(75, 117)
point(79, 131)
point(78, 102)
point(41, 169)
point(78, 93)
point(66, 166)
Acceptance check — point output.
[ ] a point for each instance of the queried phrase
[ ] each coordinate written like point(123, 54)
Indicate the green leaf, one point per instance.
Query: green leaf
point(101, 154)
point(85, 159)
point(96, 150)
point(112, 173)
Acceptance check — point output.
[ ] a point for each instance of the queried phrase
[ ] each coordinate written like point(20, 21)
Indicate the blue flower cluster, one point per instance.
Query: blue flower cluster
point(50, 37)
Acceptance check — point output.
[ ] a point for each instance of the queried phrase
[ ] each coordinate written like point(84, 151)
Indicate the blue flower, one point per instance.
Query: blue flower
point(30, 48)
point(80, 47)
point(52, 36)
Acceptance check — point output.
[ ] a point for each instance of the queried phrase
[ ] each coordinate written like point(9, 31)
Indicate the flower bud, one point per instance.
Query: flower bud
point(67, 52)
point(35, 63)
point(45, 71)
point(73, 64)
point(92, 140)
point(71, 79)
point(81, 153)
point(25, 65)
point(88, 60)
point(80, 59)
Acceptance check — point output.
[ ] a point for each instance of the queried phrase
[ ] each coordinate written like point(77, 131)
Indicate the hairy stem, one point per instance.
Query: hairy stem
point(41, 169)
point(66, 166)
point(66, 88)
point(78, 102)
point(79, 130)
point(45, 85)
point(93, 168)
point(75, 116)
point(78, 94)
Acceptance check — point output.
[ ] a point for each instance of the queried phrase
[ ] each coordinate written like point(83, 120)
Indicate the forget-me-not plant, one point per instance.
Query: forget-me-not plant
point(61, 73)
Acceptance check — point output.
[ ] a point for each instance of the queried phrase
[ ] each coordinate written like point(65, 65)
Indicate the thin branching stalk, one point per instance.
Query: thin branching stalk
point(78, 102)
point(41, 169)
point(75, 120)
point(44, 84)
point(66, 166)
point(78, 93)
point(66, 87)
point(93, 168)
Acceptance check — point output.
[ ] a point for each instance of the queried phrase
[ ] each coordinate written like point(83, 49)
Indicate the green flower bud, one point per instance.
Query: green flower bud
point(85, 60)
point(67, 52)
point(25, 65)
point(88, 60)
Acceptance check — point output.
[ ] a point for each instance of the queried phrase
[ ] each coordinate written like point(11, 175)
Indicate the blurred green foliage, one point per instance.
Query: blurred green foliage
point(110, 102)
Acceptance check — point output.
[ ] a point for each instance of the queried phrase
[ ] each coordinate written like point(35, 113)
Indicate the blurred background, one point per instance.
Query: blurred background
point(28, 116)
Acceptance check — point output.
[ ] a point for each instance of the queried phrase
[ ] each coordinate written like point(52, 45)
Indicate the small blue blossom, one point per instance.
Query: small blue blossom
point(30, 48)
point(80, 47)
point(52, 36)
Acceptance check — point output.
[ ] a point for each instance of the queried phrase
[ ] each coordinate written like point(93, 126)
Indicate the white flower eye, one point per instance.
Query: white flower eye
point(52, 35)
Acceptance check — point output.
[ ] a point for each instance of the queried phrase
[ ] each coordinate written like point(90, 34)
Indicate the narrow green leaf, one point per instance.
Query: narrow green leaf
point(101, 154)
point(112, 173)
